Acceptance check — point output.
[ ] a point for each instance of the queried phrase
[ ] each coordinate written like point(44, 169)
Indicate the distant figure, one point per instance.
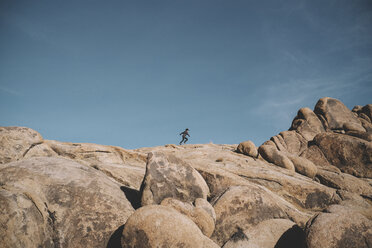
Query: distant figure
point(184, 138)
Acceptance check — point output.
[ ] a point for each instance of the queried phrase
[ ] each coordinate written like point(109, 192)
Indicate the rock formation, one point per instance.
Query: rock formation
point(308, 186)
point(340, 227)
point(161, 226)
point(168, 176)
point(56, 202)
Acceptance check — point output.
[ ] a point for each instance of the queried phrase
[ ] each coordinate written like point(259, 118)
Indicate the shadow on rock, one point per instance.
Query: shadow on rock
point(292, 238)
point(115, 239)
point(133, 196)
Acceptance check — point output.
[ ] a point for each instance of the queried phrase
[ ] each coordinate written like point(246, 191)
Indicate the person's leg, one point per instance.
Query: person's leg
point(183, 138)
point(186, 139)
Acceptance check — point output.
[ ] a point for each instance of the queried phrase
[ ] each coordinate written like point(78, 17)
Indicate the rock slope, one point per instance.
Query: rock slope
point(309, 186)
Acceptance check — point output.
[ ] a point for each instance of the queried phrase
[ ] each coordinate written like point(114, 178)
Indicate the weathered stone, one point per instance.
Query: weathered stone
point(127, 175)
point(15, 142)
point(94, 154)
point(238, 169)
point(161, 226)
point(339, 227)
point(269, 143)
point(55, 202)
point(363, 116)
point(296, 189)
point(267, 234)
point(307, 124)
point(357, 202)
point(315, 155)
point(344, 181)
point(40, 150)
point(198, 215)
point(219, 180)
point(289, 141)
point(279, 143)
point(367, 110)
point(238, 240)
point(357, 108)
point(204, 204)
point(362, 135)
point(248, 148)
point(282, 193)
point(243, 207)
point(335, 113)
point(353, 127)
point(367, 125)
point(295, 143)
point(303, 166)
point(126, 167)
point(351, 155)
point(167, 176)
point(272, 155)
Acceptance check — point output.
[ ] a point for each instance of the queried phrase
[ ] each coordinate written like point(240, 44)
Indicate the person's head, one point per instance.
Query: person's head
point(187, 129)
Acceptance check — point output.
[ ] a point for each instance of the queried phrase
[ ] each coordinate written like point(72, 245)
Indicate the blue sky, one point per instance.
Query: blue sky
point(137, 73)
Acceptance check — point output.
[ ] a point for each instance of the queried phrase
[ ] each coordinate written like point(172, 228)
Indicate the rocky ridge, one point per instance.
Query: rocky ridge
point(310, 186)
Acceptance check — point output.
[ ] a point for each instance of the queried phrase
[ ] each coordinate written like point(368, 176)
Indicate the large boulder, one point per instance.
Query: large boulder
point(315, 155)
point(55, 202)
point(303, 166)
point(40, 150)
point(268, 234)
point(15, 142)
point(126, 167)
point(339, 227)
point(206, 206)
point(367, 110)
point(364, 112)
point(361, 135)
point(289, 141)
point(295, 188)
point(336, 114)
point(167, 176)
point(247, 148)
point(162, 226)
point(359, 203)
point(246, 206)
point(307, 124)
point(350, 154)
point(272, 155)
point(344, 181)
point(219, 180)
point(294, 142)
point(366, 124)
point(203, 219)
point(94, 153)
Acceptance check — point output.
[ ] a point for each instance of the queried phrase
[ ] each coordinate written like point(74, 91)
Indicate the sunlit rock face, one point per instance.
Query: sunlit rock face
point(309, 185)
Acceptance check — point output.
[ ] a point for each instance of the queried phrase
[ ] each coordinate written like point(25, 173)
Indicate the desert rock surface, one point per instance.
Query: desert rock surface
point(312, 182)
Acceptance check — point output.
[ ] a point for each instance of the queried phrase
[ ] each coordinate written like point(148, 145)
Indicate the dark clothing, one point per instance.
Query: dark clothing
point(184, 133)
point(184, 138)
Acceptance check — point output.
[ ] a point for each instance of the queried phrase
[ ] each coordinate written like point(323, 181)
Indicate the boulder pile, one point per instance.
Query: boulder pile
point(309, 186)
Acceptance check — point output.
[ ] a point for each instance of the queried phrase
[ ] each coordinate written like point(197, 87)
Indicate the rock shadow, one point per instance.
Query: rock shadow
point(292, 238)
point(133, 196)
point(115, 239)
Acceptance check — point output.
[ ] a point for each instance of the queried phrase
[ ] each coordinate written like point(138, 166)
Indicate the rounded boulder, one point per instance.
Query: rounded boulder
point(248, 148)
point(339, 227)
point(272, 155)
point(162, 226)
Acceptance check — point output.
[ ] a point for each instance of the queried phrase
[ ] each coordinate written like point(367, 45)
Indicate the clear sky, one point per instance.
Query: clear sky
point(137, 73)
